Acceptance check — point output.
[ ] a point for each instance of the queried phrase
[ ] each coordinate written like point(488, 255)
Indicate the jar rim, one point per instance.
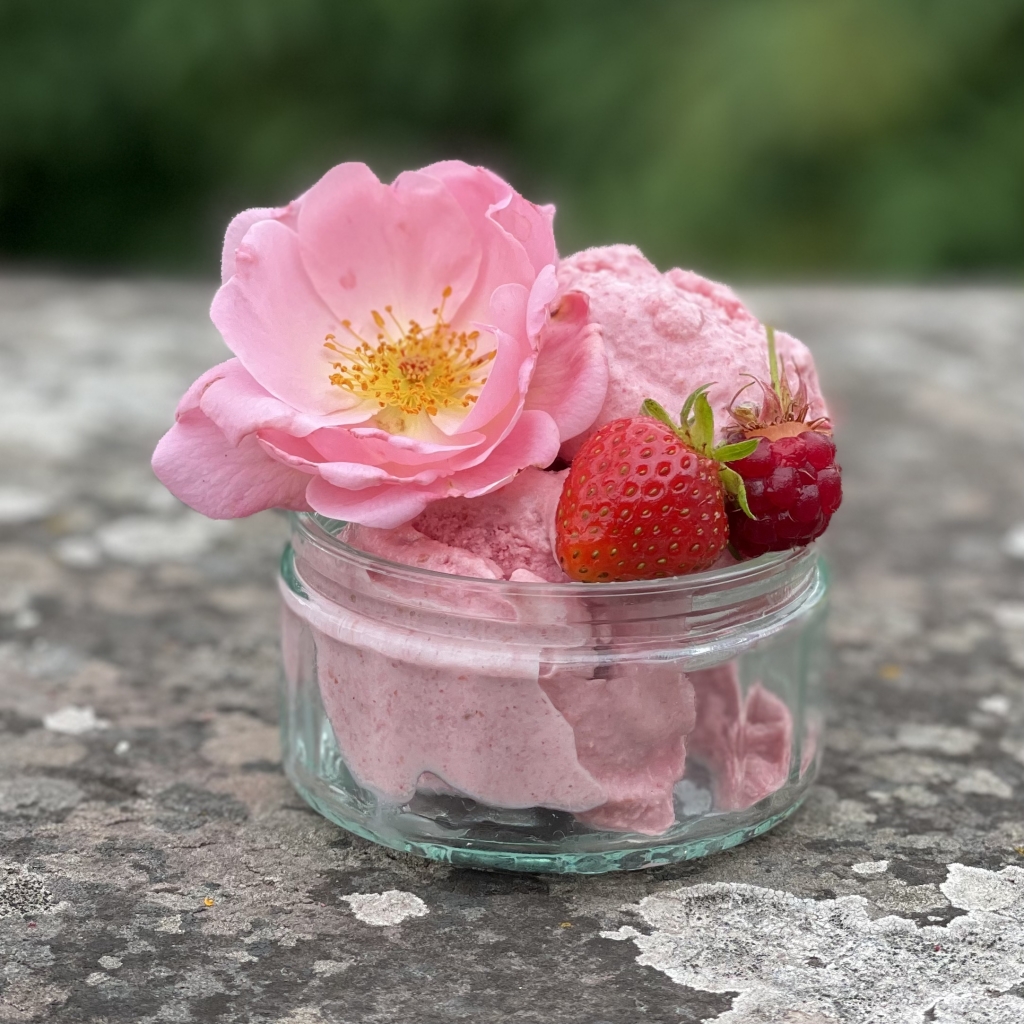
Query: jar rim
point(323, 531)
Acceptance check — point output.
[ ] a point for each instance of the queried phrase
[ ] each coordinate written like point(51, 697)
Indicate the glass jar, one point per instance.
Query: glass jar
point(564, 727)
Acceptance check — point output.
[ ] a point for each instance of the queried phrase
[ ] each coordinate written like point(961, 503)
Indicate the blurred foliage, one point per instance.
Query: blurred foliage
point(750, 137)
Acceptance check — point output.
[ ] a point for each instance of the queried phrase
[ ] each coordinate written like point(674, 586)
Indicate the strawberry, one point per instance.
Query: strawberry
point(792, 480)
point(644, 496)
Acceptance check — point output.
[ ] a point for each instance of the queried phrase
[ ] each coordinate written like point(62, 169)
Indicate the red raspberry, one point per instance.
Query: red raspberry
point(793, 483)
point(793, 488)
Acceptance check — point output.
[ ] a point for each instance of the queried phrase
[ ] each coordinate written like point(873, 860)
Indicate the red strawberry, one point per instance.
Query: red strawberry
point(793, 483)
point(644, 497)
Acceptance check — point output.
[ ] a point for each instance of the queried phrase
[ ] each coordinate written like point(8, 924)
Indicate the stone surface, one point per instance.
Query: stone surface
point(156, 866)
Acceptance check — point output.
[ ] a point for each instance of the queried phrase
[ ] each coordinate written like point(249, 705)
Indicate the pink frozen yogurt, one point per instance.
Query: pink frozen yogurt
point(482, 714)
point(667, 334)
point(630, 731)
point(494, 722)
point(455, 692)
point(745, 741)
point(507, 534)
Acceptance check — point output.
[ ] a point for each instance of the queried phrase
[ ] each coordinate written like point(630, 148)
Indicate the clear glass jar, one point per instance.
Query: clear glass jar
point(563, 727)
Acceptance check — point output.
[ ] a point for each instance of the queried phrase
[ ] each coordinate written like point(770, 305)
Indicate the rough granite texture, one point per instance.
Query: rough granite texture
point(155, 865)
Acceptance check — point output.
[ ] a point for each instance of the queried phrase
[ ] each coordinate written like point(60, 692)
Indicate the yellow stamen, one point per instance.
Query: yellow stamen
point(418, 369)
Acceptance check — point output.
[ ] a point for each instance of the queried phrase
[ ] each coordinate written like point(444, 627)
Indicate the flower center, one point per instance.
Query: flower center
point(414, 368)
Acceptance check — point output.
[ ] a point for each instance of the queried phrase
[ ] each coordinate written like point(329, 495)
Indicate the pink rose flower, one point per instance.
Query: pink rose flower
point(394, 344)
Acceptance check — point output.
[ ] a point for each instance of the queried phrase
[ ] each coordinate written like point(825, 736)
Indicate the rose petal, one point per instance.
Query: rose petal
point(359, 474)
point(295, 451)
point(384, 507)
point(198, 465)
point(367, 246)
point(508, 310)
point(540, 303)
point(482, 193)
point(570, 381)
point(503, 257)
point(238, 227)
point(413, 447)
point(193, 396)
point(531, 225)
point(240, 406)
point(533, 441)
point(335, 445)
point(272, 318)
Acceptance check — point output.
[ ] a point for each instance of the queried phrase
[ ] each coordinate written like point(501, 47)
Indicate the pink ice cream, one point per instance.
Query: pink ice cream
point(630, 731)
point(745, 741)
point(514, 526)
point(508, 534)
point(482, 715)
point(492, 721)
point(407, 711)
point(455, 694)
point(667, 334)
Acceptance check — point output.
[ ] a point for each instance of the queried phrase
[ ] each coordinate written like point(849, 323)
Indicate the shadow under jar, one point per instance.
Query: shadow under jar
point(563, 727)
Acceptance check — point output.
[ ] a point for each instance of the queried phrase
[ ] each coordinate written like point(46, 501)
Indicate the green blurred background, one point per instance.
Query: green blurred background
point(755, 138)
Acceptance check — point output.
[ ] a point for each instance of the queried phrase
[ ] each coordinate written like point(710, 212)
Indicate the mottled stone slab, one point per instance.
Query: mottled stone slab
point(156, 866)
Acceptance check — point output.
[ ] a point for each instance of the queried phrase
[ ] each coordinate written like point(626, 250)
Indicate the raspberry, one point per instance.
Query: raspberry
point(793, 488)
point(793, 483)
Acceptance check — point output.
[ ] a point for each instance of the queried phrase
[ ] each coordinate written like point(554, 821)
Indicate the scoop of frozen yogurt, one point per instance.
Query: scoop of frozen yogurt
point(513, 527)
point(503, 535)
point(667, 334)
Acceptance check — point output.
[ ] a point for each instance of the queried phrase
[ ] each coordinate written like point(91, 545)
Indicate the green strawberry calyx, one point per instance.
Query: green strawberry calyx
point(696, 429)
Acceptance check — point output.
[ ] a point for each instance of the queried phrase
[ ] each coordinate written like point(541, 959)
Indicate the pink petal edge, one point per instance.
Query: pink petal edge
point(570, 381)
point(198, 465)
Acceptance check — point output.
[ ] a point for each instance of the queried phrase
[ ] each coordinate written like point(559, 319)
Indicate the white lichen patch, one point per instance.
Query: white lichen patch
point(74, 721)
point(982, 782)
point(831, 960)
point(1009, 615)
point(945, 739)
point(241, 956)
point(977, 890)
point(996, 704)
point(851, 813)
point(870, 867)
point(386, 908)
point(146, 540)
point(916, 796)
point(1013, 542)
point(302, 1015)
point(78, 552)
point(22, 506)
point(328, 968)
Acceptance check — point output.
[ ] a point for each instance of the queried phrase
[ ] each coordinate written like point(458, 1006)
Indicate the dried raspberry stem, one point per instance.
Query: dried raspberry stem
point(782, 412)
